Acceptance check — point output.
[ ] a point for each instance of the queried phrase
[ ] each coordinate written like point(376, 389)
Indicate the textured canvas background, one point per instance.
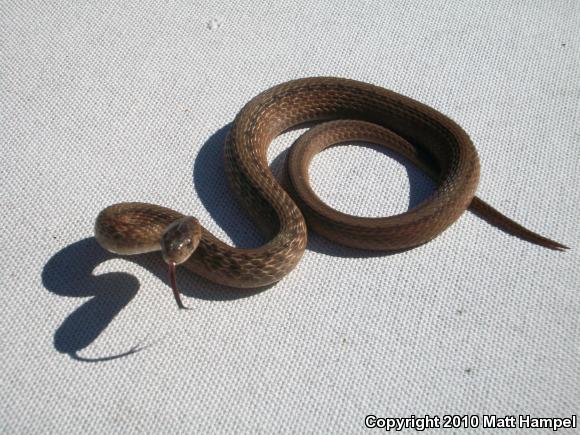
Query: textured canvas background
point(106, 101)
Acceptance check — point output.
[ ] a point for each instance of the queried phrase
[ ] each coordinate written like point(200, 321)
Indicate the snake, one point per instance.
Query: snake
point(340, 110)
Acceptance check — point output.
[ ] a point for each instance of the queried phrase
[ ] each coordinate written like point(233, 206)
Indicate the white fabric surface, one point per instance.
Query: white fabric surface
point(102, 102)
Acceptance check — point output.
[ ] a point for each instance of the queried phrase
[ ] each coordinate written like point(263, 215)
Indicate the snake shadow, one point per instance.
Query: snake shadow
point(213, 191)
point(70, 272)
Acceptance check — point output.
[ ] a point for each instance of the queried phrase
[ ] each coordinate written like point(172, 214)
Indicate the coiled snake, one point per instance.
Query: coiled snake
point(359, 112)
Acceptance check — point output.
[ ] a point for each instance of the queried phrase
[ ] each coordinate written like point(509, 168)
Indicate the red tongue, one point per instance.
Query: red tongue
point(173, 280)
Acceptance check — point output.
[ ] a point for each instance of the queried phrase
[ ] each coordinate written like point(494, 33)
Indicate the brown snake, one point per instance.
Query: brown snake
point(359, 112)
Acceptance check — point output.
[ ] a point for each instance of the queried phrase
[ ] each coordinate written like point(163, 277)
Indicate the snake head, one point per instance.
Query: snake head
point(180, 239)
point(178, 242)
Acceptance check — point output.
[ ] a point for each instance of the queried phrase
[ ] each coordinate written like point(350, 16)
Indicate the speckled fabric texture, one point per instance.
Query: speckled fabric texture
point(102, 102)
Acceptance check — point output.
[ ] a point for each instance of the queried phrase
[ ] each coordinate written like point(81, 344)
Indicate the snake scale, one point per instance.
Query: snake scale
point(353, 111)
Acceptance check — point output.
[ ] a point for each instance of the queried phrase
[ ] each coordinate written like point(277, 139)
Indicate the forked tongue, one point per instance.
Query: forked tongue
point(173, 280)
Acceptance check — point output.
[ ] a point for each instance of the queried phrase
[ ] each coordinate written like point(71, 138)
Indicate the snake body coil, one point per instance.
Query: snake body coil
point(364, 112)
